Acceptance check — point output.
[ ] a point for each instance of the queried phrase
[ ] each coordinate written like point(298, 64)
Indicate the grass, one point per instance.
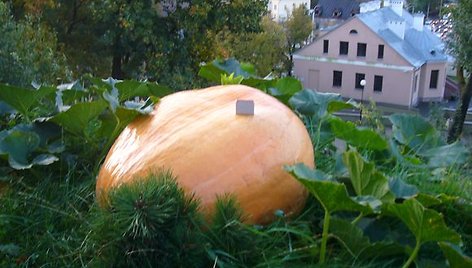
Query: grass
point(50, 219)
point(42, 218)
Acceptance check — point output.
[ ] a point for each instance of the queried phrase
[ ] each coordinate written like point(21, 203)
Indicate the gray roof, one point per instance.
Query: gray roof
point(417, 47)
point(346, 6)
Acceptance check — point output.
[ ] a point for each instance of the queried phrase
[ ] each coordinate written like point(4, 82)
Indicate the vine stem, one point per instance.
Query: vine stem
point(324, 237)
point(357, 219)
point(413, 254)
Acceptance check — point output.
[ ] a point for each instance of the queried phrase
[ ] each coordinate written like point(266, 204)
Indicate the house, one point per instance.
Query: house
point(384, 54)
point(280, 10)
point(328, 13)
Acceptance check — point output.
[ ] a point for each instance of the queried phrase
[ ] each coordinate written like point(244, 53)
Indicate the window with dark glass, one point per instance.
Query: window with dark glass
point(380, 53)
point(378, 81)
point(343, 48)
point(433, 80)
point(361, 49)
point(359, 78)
point(337, 78)
point(325, 46)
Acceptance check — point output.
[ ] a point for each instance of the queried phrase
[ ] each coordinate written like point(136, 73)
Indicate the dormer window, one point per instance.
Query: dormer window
point(337, 13)
point(355, 11)
point(318, 11)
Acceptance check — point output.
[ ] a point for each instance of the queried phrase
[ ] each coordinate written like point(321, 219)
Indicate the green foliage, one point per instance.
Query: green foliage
point(417, 142)
point(73, 116)
point(460, 44)
point(149, 222)
point(28, 51)
point(266, 49)
point(231, 71)
point(298, 28)
point(373, 215)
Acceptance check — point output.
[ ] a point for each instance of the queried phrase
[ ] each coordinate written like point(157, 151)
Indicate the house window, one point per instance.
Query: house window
point(337, 13)
point(275, 7)
point(318, 10)
point(378, 81)
point(325, 46)
point(380, 52)
point(337, 78)
point(353, 31)
point(359, 78)
point(433, 80)
point(361, 49)
point(343, 48)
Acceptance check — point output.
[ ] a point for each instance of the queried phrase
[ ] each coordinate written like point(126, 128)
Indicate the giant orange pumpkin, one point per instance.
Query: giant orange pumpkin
point(214, 151)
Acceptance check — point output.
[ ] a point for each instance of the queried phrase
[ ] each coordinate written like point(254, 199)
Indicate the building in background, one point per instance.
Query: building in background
point(280, 10)
point(328, 13)
point(400, 60)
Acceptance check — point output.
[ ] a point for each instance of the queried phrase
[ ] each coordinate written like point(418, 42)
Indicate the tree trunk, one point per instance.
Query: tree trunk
point(116, 71)
point(461, 112)
point(116, 68)
point(290, 61)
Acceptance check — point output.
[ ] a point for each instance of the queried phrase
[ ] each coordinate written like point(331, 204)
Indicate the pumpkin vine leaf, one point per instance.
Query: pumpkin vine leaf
point(332, 195)
point(454, 255)
point(365, 179)
point(427, 225)
point(356, 136)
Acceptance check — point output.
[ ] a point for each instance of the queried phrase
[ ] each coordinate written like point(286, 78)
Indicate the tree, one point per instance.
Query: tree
point(425, 6)
point(298, 28)
point(266, 49)
point(28, 51)
point(460, 44)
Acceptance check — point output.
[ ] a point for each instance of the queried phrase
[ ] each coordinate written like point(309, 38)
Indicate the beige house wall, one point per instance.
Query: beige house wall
point(396, 89)
point(364, 35)
point(432, 94)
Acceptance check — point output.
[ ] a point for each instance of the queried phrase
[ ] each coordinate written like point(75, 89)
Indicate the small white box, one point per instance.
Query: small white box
point(245, 107)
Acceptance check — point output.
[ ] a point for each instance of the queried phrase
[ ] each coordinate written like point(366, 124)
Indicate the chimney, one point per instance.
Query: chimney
point(369, 6)
point(397, 27)
point(397, 6)
point(418, 21)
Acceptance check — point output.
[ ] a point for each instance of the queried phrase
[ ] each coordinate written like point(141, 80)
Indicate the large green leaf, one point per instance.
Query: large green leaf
point(158, 90)
point(365, 179)
point(359, 245)
point(233, 66)
point(312, 103)
point(402, 189)
point(415, 132)
point(214, 70)
point(23, 100)
point(425, 224)
point(335, 106)
point(428, 200)
point(131, 88)
point(332, 195)
point(454, 255)
point(358, 137)
point(18, 145)
point(287, 86)
point(77, 118)
point(446, 155)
